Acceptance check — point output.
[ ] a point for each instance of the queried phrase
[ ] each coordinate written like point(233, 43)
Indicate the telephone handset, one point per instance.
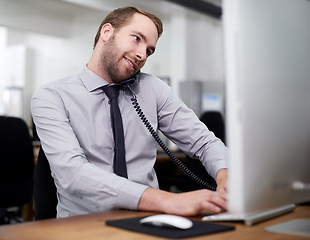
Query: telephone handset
point(126, 84)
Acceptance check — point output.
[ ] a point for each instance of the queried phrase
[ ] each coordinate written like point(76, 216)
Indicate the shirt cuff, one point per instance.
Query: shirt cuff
point(129, 195)
point(218, 165)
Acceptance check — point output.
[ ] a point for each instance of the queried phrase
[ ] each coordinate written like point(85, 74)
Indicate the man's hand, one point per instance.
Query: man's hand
point(184, 204)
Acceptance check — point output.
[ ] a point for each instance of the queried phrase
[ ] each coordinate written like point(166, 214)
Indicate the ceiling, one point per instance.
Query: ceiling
point(35, 15)
point(73, 8)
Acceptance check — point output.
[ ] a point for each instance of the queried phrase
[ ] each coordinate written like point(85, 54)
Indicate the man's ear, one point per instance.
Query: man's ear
point(106, 31)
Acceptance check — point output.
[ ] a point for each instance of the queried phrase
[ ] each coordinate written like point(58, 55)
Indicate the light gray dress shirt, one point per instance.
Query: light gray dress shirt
point(72, 116)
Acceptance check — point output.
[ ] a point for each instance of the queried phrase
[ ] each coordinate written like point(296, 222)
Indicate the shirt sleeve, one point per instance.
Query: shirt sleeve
point(75, 177)
point(181, 125)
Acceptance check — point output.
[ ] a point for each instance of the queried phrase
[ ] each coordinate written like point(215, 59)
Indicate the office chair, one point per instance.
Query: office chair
point(16, 168)
point(45, 193)
point(215, 122)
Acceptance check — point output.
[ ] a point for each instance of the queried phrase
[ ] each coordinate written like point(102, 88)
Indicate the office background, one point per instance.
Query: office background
point(44, 40)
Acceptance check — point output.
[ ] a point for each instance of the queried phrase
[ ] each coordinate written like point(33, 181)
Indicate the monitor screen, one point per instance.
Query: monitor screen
point(267, 61)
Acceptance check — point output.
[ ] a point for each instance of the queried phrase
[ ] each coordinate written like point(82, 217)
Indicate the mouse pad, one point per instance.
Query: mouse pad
point(199, 228)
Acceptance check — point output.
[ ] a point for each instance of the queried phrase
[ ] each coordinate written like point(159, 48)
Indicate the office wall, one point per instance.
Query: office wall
point(3, 45)
point(59, 43)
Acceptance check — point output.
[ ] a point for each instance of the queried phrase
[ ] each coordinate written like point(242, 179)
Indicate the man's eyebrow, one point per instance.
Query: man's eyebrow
point(140, 35)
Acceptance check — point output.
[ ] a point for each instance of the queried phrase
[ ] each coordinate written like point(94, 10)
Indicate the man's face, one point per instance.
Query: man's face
point(126, 51)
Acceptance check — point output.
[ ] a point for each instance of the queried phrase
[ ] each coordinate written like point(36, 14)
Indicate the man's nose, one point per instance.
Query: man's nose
point(141, 54)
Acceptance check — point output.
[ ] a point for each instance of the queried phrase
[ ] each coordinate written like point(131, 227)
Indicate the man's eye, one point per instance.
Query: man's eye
point(136, 38)
point(149, 52)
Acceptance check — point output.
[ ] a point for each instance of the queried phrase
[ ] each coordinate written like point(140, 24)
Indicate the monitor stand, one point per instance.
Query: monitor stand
point(299, 226)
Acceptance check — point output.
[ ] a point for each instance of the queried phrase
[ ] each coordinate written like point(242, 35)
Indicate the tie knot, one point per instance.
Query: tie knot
point(111, 91)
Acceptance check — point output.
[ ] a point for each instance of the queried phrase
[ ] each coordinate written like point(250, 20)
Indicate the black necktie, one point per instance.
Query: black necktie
point(119, 164)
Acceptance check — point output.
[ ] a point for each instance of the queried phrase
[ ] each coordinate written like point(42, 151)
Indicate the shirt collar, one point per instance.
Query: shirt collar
point(91, 80)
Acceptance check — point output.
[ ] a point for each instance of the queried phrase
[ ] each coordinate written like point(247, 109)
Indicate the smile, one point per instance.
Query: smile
point(131, 63)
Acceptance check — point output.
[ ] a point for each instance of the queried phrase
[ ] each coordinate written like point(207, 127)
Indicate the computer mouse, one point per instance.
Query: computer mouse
point(167, 220)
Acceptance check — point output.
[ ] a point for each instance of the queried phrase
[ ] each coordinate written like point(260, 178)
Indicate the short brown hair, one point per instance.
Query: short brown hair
point(118, 18)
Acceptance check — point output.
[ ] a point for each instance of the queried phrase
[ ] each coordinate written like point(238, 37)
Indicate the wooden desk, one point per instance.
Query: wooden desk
point(92, 227)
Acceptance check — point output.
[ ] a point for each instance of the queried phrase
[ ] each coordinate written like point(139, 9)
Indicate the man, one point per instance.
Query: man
point(73, 121)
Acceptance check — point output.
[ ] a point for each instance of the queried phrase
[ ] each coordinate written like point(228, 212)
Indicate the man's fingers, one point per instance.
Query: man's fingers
point(210, 207)
point(216, 202)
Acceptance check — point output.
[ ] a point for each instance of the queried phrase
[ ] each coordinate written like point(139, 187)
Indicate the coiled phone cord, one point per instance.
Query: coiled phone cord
point(176, 161)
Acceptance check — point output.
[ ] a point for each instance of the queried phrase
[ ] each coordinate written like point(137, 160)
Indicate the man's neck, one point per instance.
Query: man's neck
point(94, 66)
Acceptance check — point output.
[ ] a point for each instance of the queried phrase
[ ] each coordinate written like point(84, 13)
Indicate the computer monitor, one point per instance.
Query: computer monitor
point(267, 61)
